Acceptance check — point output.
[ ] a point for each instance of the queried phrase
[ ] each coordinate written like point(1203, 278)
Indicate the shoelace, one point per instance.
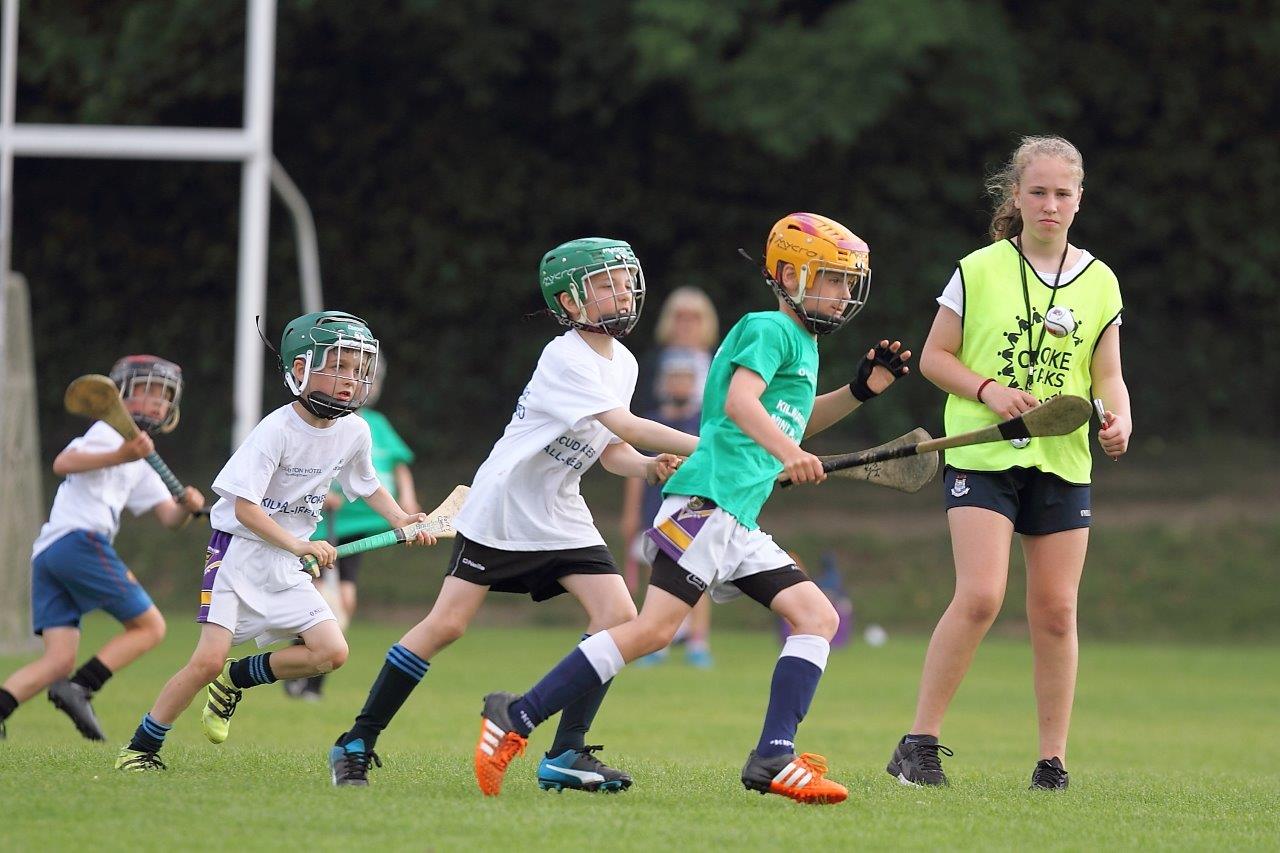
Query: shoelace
point(1048, 772)
point(147, 761)
point(816, 764)
point(358, 764)
point(927, 756)
point(511, 746)
point(228, 700)
point(588, 753)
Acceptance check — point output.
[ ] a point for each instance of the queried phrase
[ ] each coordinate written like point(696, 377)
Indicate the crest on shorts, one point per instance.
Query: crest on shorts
point(960, 487)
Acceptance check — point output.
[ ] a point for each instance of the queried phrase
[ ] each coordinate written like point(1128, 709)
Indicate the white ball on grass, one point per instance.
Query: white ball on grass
point(875, 636)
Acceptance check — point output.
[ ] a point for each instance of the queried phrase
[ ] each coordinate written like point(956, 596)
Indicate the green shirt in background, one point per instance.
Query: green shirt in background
point(356, 520)
point(728, 467)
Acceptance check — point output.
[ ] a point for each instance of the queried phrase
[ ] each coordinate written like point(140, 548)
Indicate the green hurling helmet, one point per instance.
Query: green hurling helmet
point(340, 357)
point(603, 279)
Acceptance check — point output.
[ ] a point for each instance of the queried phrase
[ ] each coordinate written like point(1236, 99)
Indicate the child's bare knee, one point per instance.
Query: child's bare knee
point(206, 665)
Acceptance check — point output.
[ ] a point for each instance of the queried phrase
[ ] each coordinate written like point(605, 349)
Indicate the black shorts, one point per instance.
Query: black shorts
point(762, 586)
point(349, 567)
point(1037, 502)
point(536, 573)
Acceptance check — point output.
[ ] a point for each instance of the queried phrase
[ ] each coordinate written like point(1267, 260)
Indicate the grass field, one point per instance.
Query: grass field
point(1173, 747)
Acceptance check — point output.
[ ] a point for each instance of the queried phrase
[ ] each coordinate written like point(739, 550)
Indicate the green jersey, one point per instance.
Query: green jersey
point(356, 520)
point(729, 467)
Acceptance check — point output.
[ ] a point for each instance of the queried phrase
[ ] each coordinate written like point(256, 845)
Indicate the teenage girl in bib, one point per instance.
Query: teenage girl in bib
point(993, 353)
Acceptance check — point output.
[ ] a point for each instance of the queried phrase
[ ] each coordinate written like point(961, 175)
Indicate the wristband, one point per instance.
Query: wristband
point(982, 387)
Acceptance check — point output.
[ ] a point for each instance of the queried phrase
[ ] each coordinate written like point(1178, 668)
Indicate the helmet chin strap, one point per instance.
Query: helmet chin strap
point(323, 406)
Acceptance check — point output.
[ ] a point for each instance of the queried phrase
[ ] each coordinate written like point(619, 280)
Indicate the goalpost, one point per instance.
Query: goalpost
point(251, 146)
point(21, 492)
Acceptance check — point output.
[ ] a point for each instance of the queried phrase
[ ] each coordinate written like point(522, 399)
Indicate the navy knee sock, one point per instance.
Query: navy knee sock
point(400, 673)
point(587, 668)
point(576, 718)
point(252, 671)
point(149, 736)
point(795, 680)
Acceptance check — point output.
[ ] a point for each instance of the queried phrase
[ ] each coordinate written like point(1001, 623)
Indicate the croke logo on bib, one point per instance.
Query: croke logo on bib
point(1052, 362)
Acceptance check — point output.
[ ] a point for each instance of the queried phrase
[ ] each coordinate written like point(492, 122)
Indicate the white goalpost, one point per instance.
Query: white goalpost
point(249, 145)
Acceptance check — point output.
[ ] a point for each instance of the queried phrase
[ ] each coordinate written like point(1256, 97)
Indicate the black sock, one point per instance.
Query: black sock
point(149, 736)
point(92, 675)
point(315, 683)
point(400, 673)
point(252, 671)
point(576, 719)
point(8, 704)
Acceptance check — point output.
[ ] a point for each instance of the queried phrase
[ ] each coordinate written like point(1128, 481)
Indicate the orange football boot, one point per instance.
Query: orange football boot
point(800, 778)
point(498, 744)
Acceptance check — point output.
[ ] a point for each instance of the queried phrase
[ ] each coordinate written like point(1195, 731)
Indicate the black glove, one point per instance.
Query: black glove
point(886, 358)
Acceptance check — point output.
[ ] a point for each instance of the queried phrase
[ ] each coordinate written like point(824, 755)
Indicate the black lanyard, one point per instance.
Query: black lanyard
point(1034, 355)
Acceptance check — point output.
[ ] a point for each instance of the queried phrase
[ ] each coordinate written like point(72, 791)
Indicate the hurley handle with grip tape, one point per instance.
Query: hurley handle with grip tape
point(1058, 416)
point(439, 524)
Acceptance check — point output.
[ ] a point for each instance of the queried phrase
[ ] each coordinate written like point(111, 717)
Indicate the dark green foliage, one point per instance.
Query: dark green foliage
point(445, 146)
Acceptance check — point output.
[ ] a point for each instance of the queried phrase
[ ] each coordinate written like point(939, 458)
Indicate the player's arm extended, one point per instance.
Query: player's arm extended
point(384, 505)
point(829, 408)
point(742, 405)
point(649, 435)
point(73, 461)
point(624, 460)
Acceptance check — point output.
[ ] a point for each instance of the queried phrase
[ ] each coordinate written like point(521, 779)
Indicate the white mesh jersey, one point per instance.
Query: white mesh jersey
point(93, 500)
point(525, 496)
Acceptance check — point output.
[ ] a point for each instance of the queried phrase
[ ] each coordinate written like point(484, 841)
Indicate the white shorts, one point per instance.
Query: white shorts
point(233, 596)
point(711, 545)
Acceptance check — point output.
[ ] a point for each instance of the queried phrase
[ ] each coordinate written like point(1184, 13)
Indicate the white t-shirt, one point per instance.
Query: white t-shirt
point(92, 500)
point(953, 295)
point(525, 496)
point(287, 466)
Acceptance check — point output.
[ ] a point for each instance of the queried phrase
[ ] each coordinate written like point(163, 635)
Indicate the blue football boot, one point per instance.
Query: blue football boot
point(581, 770)
point(349, 764)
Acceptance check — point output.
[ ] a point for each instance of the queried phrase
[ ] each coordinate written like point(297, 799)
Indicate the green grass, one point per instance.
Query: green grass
point(1171, 747)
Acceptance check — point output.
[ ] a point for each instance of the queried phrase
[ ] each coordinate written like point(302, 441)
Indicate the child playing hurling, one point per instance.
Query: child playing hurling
point(758, 404)
point(271, 492)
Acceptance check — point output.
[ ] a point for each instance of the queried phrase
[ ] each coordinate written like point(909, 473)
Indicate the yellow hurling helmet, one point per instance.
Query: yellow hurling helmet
point(814, 245)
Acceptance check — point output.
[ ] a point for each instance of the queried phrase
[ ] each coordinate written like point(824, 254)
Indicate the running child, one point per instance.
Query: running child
point(525, 528)
point(758, 404)
point(75, 569)
point(270, 494)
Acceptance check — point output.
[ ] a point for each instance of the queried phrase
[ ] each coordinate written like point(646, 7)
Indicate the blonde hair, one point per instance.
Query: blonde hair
point(1002, 185)
point(692, 299)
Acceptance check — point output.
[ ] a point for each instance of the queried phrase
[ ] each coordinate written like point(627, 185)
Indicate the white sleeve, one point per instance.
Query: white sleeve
point(358, 478)
point(953, 294)
point(249, 470)
point(100, 438)
point(573, 394)
point(147, 492)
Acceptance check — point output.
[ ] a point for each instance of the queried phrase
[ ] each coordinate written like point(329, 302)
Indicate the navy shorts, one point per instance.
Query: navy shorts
point(535, 573)
point(1038, 503)
point(80, 573)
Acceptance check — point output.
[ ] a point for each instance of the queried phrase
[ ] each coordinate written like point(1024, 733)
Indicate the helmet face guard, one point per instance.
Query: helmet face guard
point(151, 388)
point(339, 358)
point(602, 277)
point(819, 248)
